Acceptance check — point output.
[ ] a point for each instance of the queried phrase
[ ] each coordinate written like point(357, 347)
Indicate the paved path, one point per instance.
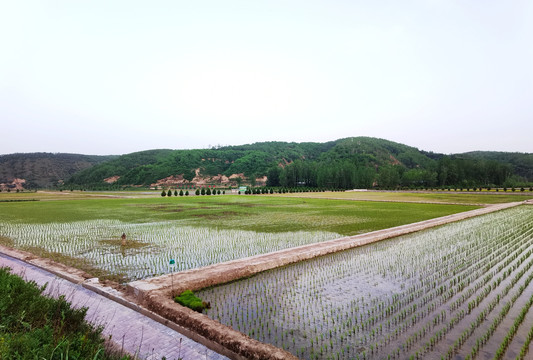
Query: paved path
point(132, 331)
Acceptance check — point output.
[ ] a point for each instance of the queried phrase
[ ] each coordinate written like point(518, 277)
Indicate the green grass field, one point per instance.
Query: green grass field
point(422, 197)
point(255, 213)
point(83, 229)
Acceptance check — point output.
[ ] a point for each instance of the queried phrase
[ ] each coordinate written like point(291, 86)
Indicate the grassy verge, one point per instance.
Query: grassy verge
point(33, 326)
point(78, 263)
point(6, 241)
point(188, 299)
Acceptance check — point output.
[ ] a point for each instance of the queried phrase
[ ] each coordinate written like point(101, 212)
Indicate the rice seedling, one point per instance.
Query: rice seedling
point(393, 299)
point(151, 245)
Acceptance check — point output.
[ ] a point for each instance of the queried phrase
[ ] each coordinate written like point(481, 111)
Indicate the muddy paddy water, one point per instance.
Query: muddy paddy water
point(456, 291)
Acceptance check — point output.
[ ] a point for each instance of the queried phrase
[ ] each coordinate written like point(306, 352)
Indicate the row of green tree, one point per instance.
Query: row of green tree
point(346, 174)
point(202, 191)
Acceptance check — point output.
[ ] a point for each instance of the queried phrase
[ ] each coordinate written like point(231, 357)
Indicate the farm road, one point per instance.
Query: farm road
point(130, 330)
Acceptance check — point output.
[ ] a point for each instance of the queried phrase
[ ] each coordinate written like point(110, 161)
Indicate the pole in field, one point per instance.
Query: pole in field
point(172, 264)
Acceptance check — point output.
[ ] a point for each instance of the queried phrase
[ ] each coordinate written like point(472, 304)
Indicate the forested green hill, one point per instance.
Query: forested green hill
point(146, 167)
point(357, 162)
point(368, 162)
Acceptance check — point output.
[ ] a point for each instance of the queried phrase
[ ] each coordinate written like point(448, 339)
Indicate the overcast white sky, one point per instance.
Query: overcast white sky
point(113, 77)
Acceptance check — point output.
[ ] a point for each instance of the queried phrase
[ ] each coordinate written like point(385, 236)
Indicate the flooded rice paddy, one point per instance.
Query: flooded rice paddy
point(459, 291)
point(150, 246)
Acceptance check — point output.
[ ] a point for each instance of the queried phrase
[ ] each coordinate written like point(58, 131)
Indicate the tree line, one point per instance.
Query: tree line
point(448, 171)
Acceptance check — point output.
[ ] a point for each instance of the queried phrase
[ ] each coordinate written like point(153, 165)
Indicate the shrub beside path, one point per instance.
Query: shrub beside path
point(131, 331)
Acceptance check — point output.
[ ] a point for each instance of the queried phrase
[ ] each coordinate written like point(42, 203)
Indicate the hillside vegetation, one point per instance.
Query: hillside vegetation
point(357, 162)
point(146, 167)
point(42, 170)
point(521, 163)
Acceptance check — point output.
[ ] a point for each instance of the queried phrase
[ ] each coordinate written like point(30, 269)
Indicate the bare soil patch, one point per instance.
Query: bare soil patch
point(6, 241)
point(73, 274)
point(245, 205)
point(216, 216)
point(130, 244)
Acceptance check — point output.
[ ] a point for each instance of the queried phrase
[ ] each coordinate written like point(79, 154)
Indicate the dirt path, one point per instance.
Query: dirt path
point(131, 331)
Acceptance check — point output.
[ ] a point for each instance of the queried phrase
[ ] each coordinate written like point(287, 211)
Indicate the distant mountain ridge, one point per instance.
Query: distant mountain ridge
point(343, 163)
point(43, 170)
